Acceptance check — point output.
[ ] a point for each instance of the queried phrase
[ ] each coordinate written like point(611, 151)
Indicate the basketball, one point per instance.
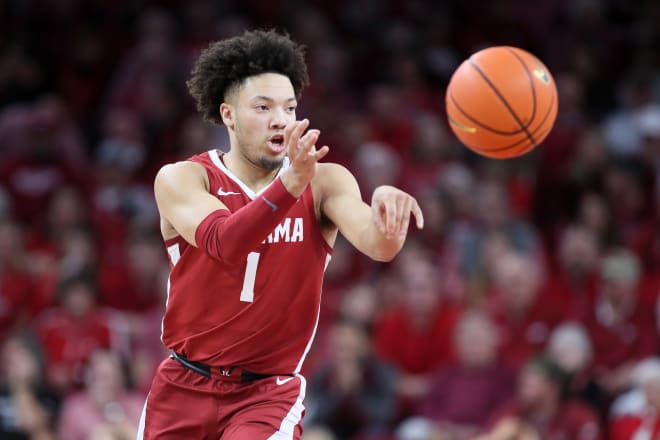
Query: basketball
point(501, 102)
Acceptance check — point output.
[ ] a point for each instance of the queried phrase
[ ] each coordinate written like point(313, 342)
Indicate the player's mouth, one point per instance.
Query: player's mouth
point(276, 143)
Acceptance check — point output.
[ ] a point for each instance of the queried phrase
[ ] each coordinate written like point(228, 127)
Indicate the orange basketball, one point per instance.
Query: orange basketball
point(501, 102)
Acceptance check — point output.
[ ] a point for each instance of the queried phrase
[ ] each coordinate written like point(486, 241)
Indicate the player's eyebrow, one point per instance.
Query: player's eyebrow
point(269, 99)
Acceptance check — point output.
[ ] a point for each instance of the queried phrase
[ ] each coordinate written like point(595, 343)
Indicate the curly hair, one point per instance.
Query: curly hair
point(227, 63)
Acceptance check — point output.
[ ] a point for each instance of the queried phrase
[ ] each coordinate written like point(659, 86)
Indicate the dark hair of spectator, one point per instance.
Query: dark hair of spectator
point(227, 63)
point(83, 277)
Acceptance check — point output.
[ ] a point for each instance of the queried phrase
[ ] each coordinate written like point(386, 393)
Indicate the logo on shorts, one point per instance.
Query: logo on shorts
point(226, 371)
point(283, 381)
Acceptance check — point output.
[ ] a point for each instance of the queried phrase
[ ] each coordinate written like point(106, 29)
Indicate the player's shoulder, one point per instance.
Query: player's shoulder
point(175, 173)
point(330, 171)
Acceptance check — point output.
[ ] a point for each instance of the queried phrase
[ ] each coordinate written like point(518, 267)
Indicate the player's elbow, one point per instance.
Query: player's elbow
point(383, 255)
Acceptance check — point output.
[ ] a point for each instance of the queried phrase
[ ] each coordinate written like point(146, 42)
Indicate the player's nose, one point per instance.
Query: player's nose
point(279, 119)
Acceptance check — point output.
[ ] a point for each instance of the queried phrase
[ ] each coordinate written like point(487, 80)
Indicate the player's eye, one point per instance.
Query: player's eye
point(262, 107)
point(292, 108)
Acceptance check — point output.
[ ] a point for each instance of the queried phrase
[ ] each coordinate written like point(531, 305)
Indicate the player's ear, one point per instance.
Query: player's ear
point(227, 114)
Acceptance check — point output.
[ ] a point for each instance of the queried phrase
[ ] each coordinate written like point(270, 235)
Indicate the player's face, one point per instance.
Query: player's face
point(264, 105)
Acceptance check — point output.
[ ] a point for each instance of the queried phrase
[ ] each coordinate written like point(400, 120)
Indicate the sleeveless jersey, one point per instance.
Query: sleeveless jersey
point(260, 315)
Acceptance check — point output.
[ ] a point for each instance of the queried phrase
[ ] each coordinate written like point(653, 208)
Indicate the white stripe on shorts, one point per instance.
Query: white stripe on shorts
point(140, 432)
point(288, 426)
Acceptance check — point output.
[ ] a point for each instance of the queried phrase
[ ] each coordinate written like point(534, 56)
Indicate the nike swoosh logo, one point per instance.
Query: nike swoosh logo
point(283, 381)
point(226, 193)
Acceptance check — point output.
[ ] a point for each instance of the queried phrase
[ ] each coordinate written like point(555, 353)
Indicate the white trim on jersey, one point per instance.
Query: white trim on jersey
point(215, 158)
point(143, 417)
point(293, 417)
point(328, 257)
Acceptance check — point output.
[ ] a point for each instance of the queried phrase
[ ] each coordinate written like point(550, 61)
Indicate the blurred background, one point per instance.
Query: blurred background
point(526, 308)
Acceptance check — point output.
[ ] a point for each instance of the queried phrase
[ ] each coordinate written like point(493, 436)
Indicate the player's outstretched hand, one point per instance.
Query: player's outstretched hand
point(303, 156)
point(391, 209)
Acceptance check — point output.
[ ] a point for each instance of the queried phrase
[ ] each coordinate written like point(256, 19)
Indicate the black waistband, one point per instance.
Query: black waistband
point(222, 372)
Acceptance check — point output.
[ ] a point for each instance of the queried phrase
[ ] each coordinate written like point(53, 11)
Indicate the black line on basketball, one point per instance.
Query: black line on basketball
point(534, 130)
point(531, 85)
point(480, 124)
point(476, 67)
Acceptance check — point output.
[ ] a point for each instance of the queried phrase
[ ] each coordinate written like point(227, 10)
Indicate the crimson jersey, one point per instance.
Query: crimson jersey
point(260, 315)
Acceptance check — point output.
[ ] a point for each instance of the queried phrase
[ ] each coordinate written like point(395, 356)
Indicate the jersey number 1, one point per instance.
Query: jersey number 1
point(247, 293)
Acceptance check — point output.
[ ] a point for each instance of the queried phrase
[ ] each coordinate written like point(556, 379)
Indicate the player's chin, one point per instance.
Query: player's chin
point(272, 163)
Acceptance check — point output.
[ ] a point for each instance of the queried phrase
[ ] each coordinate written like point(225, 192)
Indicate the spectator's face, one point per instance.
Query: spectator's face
point(421, 295)
point(594, 213)
point(493, 205)
point(517, 281)
point(9, 241)
point(348, 343)
point(571, 357)
point(78, 300)
point(578, 249)
point(18, 361)
point(651, 390)
point(260, 108)
point(619, 291)
point(476, 342)
point(534, 387)
point(104, 377)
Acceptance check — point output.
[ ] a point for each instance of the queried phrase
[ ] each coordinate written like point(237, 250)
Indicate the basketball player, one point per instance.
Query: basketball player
point(249, 234)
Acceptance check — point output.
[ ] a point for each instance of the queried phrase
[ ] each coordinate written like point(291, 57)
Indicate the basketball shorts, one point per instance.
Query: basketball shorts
point(184, 404)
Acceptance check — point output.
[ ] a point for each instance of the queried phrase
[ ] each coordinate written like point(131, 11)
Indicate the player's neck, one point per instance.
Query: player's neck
point(251, 174)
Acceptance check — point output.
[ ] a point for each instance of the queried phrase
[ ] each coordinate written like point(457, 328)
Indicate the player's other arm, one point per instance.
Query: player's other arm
point(377, 231)
point(205, 222)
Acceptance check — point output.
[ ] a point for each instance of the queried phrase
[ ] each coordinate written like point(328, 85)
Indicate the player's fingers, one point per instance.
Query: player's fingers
point(417, 212)
point(390, 217)
point(295, 134)
point(308, 141)
point(320, 154)
point(378, 212)
point(289, 141)
point(404, 212)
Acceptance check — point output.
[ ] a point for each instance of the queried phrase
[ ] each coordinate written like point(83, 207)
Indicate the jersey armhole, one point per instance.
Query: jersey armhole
point(317, 227)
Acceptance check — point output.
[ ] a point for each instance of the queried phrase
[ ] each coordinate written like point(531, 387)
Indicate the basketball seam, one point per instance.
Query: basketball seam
point(534, 131)
point(481, 124)
point(476, 67)
point(531, 85)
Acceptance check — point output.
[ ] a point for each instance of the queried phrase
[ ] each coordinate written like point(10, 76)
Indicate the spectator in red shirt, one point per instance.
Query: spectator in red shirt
point(573, 282)
point(523, 318)
point(15, 285)
point(540, 410)
point(71, 331)
point(464, 395)
point(639, 417)
point(134, 280)
point(622, 329)
point(416, 335)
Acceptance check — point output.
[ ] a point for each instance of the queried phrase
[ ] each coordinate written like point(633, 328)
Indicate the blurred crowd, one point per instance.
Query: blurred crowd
point(527, 308)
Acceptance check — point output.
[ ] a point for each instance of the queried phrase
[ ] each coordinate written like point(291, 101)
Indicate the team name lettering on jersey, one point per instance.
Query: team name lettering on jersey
point(289, 231)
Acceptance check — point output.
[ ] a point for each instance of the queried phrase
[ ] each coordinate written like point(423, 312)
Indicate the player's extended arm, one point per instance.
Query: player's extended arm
point(205, 222)
point(377, 231)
